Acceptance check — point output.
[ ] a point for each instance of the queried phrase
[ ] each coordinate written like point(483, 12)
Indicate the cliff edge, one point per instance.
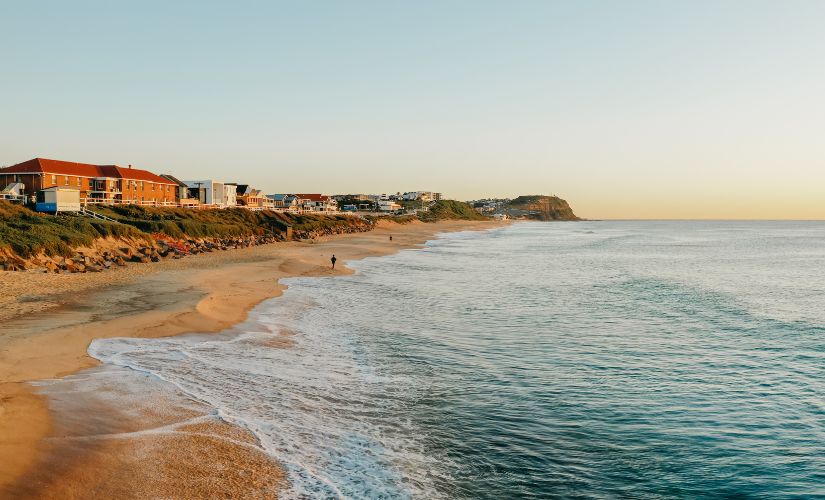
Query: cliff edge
point(540, 207)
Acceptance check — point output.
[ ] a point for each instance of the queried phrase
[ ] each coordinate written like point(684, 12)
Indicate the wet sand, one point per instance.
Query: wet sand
point(114, 438)
point(48, 321)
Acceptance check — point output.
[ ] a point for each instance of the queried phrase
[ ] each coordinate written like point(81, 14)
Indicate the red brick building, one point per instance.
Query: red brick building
point(97, 183)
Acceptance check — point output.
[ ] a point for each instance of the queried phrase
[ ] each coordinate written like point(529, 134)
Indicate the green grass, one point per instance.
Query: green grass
point(27, 233)
point(545, 207)
point(450, 209)
point(230, 222)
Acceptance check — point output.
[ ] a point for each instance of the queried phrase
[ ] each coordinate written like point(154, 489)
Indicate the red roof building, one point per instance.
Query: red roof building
point(96, 183)
point(317, 202)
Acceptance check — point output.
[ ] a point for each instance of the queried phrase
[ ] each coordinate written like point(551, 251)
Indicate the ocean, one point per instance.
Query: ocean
point(594, 359)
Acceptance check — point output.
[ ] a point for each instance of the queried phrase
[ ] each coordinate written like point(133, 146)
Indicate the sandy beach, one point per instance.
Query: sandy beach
point(49, 321)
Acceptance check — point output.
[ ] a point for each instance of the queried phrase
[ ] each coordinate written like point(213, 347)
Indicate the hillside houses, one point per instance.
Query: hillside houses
point(317, 203)
point(91, 184)
point(284, 202)
point(421, 196)
point(388, 206)
point(115, 185)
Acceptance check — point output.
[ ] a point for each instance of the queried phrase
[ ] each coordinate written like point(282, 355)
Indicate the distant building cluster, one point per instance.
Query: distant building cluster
point(56, 185)
point(410, 201)
point(489, 205)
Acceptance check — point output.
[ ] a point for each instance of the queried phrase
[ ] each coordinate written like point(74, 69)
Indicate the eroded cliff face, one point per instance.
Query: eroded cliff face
point(98, 252)
point(541, 207)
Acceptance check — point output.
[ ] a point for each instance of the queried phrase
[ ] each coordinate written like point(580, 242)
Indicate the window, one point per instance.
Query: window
point(54, 179)
point(66, 180)
point(79, 183)
point(142, 187)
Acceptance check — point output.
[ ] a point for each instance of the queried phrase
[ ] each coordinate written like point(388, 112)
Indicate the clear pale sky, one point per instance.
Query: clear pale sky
point(659, 109)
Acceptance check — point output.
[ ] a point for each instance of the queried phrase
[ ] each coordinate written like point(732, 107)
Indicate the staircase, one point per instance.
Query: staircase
point(88, 213)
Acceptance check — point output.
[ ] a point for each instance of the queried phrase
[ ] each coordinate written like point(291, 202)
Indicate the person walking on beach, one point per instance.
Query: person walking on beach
point(333, 259)
point(390, 237)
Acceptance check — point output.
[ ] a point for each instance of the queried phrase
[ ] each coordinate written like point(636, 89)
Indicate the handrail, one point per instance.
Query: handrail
point(95, 215)
point(85, 202)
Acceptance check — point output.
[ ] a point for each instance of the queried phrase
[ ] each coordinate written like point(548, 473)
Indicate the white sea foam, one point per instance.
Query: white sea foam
point(593, 359)
point(314, 405)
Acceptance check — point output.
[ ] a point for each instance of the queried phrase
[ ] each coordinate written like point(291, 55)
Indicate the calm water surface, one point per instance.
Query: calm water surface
point(592, 359)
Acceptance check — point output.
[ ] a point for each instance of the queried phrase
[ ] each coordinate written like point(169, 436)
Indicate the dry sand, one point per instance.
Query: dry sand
point(49, 320)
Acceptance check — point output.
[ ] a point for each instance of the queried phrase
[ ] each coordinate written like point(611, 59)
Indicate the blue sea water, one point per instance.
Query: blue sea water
point(539, 360)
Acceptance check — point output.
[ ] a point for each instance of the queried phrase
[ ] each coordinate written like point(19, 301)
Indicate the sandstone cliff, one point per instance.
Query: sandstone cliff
point(540, 207)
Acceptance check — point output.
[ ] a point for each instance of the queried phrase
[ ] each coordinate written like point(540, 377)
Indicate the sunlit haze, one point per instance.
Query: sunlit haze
point(626, 109)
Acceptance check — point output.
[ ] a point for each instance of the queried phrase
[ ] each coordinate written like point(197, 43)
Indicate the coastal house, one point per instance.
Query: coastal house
point(302, 204)
point(182, 194)
point(110, 184)
point(268, 203)
point(421, 196)
point(278, 201)
point(249, 197)
point(388, 206)
point(291, 203)
point(355, 197)
point(317, 203)
point(213, 193)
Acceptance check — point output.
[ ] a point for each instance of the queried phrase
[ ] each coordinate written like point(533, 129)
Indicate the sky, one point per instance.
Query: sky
point(632, 109)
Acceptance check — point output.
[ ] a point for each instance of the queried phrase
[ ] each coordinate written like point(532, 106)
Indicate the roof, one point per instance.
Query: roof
point(174, 179)
point(132, 173)
point(60, 167)
point(42, 166)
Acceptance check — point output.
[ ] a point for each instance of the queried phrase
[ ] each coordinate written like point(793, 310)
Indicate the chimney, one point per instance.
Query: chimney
point(130, 165)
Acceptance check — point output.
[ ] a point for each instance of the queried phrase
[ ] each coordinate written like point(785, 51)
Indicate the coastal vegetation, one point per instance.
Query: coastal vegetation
point(25, 233)
point(30, 239)
point(449, 210)
point(540, 207)
point(227, 223)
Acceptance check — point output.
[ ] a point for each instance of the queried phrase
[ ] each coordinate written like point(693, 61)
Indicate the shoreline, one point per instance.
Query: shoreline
point(206, 293)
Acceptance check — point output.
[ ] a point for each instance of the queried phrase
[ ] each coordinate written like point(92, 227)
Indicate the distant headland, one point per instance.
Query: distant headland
point(534, 206)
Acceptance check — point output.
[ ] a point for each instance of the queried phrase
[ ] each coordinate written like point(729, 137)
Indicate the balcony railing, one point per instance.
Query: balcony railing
point(188, 204)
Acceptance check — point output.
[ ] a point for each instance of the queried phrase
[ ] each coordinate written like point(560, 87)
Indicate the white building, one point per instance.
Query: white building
point(230, 195)
point(210, 192)
point(58, 199)
point(388, 206)
point(317, 203)
point(421, 195)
